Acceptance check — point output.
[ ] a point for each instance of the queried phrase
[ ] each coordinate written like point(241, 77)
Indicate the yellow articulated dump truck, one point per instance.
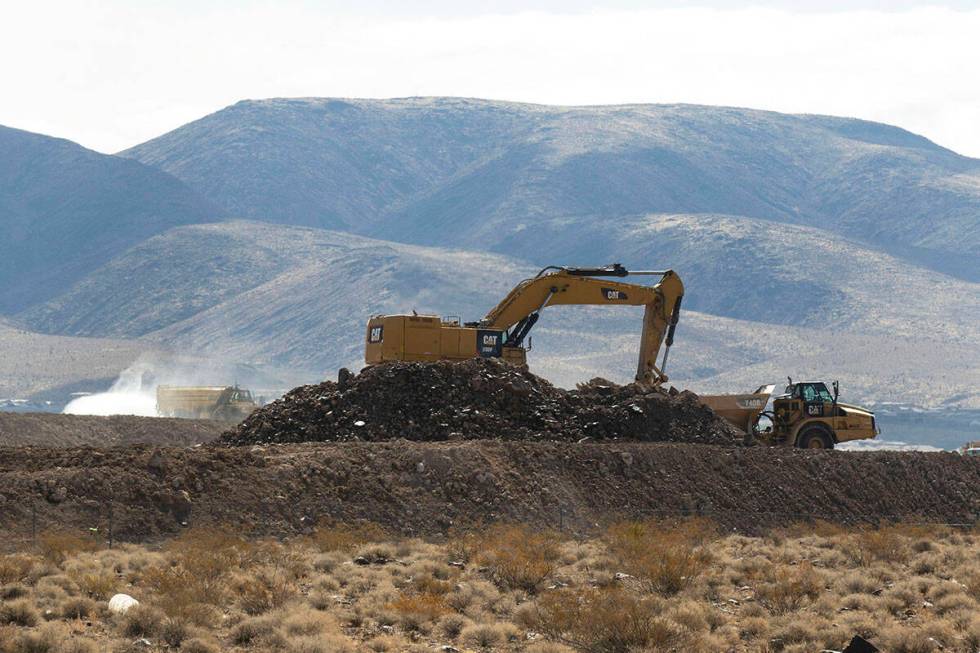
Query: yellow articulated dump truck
point(806, 415)
point(229, 403)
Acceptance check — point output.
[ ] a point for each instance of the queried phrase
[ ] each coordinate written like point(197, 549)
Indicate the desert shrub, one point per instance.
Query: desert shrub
point(324, 643)
point(174, 632)
point(753, 627)
point(98, 585)
point(14, 568)
point(858, 583)
point(971, 634)
point(209, 554)
point(802, 628)
point(58, 545)
point(971, 580)
point(78, 645)
point(887, 544)
point(327, 562)
point(196, 574)
point(263, 590)
point(861, 602)
point(254, 630)
point(451, 625)
point(464, 544)
point(177, 592)
point(299, 621)
point(922, 546)
point(416, 610)
point(519, 558)
point(549, 647)
point(198, 645)
point(908, 640)
point(77, 607)
point(141, 621)
point(386, 644)
point(13, 591)
point(604, 621)
point(696, 617)
point(346, 537)
point(483, 636)
point(18, 613)
point(666, 556)
point(790, 588)
point(954, 602)
point(46, 639)
point(428, 584)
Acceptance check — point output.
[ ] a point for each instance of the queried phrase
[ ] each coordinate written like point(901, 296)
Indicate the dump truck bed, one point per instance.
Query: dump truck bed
point(741, 410)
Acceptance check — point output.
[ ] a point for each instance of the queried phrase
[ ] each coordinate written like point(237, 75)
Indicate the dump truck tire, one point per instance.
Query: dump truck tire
point(815, 437)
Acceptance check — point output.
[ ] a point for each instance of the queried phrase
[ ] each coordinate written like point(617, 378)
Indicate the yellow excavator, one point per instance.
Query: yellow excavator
point(502, 332)
point(806, 415)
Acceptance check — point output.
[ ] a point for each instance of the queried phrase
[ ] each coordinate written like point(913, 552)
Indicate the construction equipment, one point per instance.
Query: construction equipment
point(229, 403)
point(501, 333)
point(970, 449)
point(806, 415)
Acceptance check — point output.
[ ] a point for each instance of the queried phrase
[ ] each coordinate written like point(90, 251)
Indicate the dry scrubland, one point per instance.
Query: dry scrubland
point(636, 586)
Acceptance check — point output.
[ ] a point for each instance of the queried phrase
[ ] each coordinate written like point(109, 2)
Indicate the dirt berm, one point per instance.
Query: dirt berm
point(424, 488)
point(477, 399)
point(54, 430)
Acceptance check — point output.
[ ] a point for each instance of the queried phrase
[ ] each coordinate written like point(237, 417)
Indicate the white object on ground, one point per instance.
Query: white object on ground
point(120, 603)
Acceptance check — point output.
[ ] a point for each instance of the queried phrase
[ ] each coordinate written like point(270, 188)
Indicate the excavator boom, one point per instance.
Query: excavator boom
point(503, 330)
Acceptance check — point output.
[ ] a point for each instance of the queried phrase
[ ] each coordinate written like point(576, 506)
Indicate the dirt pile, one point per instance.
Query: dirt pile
point(55, 430)
point(477, 399)
point(428, 487)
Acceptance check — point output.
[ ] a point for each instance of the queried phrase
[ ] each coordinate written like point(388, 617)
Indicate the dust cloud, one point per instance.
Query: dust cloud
point(133, 393)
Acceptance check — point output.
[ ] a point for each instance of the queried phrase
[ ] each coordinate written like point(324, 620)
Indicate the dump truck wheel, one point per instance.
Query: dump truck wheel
point(815, 438)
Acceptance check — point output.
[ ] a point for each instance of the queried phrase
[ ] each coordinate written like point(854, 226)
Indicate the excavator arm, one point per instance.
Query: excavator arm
point(555, 286)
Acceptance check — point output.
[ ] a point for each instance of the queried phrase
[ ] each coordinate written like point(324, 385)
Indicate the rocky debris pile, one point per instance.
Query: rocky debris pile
point(476, 399)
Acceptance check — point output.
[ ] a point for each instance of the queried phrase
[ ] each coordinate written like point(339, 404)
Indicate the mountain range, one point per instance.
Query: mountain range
point(266, 233)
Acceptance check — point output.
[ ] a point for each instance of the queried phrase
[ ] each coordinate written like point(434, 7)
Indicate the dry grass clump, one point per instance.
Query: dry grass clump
point(418, 611)
point(199, 645)
point(78, 607)
point(18, 613)
point(790, 588)
point(890, 544)
point(15, 568)
point(518, 557)
point(141, 621)
point(604, 620)
point(57, 545)
point(666, 556)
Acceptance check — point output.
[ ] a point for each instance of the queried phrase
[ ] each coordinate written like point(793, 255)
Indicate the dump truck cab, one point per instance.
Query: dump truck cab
point(808, 415)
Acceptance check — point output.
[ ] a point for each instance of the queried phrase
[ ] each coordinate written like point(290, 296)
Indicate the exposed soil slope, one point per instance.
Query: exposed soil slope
point(425, 488)
point(54, 430)
point(477, 399)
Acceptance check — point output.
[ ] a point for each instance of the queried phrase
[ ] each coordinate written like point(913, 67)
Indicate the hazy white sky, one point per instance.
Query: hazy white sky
point(111, 74)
